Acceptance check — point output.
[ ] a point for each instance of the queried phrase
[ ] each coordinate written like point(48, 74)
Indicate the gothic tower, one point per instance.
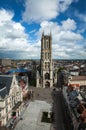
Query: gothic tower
point(46, 61)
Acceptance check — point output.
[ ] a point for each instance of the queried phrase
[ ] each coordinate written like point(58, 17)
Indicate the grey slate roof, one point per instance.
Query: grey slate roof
point(5, 84)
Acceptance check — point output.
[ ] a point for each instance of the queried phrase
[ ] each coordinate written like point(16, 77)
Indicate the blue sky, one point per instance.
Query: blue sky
point(23, 21)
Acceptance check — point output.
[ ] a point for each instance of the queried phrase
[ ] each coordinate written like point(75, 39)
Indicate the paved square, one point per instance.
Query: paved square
point(31, 120)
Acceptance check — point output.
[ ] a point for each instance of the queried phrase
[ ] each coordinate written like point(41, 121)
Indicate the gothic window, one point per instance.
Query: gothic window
point(47, 44)
point(46, 55)
point(47, 76)
point(47, 84)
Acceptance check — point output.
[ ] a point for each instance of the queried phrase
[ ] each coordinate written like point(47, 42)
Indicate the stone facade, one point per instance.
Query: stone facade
point(46, 74)
point(5, 62)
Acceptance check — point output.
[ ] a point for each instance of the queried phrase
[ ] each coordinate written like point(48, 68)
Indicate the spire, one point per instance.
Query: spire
point(43, 33)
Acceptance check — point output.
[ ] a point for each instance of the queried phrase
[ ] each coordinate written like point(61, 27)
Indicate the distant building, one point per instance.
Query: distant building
point(5, 62)
point(75, 105)
point(77, 81)
point(23, 83)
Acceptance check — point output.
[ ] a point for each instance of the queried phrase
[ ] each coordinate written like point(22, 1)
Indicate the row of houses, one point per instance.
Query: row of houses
point(74, 94)
point(13, 88)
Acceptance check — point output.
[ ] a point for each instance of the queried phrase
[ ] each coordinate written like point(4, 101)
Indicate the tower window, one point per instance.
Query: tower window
point(46, 55)
point(47, 44)
point(47, 76)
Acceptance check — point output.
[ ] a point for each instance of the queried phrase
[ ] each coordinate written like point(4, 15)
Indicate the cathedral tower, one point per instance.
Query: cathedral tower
point(46, 61)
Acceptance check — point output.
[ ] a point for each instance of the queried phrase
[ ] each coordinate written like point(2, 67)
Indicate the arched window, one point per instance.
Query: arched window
point(47, 76)
point(47, 84)
point(45, 55)
point(47, 45)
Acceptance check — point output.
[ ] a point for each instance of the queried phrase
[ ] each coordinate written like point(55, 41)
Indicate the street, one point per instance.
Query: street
point(62, 121)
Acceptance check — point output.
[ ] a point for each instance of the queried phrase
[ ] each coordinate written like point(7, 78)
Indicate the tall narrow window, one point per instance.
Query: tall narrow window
point(47, 44)
point(46, 55)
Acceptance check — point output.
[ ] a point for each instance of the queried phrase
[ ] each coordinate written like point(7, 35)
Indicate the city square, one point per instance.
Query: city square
point(42, 65)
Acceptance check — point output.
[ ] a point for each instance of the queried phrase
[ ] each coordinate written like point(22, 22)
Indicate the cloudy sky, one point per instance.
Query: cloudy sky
point(23, 21)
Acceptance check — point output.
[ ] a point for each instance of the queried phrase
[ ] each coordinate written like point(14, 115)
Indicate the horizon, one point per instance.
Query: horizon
point(23, 21)
point(40, 59)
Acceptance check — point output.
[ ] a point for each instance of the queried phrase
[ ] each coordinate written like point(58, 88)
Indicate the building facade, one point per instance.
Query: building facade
point(11, 98)
point(5, 62)
point(77, 81)
point(46, 74)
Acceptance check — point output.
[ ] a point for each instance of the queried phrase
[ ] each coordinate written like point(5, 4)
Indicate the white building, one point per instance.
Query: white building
point(10, 98)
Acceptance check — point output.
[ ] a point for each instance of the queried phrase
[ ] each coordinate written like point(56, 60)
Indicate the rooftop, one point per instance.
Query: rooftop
point(74, 78)
point(5, 84)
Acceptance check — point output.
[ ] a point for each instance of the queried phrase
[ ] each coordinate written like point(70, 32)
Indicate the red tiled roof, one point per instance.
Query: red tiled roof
point(83, 115)
point(74, 85)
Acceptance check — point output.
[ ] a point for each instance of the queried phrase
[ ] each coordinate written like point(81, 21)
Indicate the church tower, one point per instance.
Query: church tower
point(46, 61)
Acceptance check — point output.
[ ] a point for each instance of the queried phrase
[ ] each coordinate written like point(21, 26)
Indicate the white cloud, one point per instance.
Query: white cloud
point(60, 32)
point(40, 10)
point(69, 24)
point(10, 31)
point(14, 42)
point(69, 36)
point(5, 16)
point(66, 43)
point(37, 10)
